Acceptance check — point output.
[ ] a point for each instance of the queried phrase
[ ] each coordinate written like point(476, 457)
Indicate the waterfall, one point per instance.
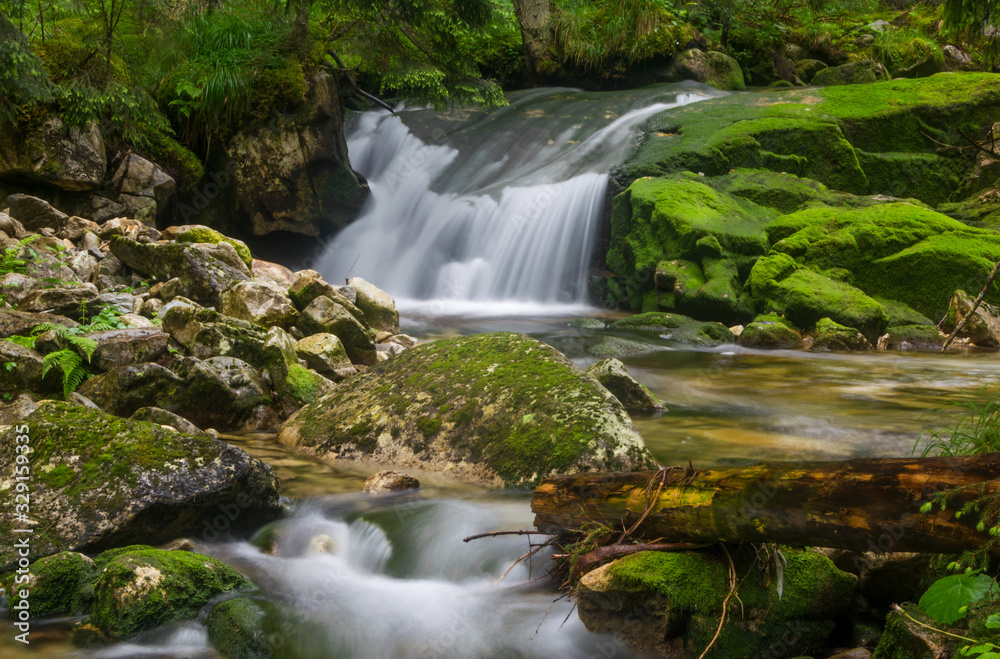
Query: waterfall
point(474, 213)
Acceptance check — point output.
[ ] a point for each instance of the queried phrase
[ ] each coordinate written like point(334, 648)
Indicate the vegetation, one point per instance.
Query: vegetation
point(972, 595)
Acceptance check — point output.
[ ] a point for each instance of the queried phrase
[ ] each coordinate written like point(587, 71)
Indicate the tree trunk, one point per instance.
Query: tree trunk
point(538, 37)
point(863, 504)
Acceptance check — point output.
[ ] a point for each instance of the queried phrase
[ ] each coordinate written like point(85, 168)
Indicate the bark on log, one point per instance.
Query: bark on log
point(863, 504)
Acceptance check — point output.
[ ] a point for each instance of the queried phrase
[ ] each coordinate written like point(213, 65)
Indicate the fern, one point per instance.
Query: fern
point(71, 365)
point(25, 341)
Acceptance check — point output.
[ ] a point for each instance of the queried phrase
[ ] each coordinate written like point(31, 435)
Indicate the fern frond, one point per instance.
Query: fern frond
point(84, 344)
point(25, 341)
point(45, 327)
point(71, 365)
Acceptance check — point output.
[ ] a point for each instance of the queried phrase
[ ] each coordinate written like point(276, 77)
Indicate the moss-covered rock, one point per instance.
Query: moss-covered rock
point(770, 331)
point(816, 133)
point(712, 68)
point(207, 333)
point(294, 384)
point(236, 629)
point(197, 233)
point(632, 394)
point(500, 408)
point(905, 639)
point(377, 305)
point(323, 315)
point(142, 588)
point(57, 584)
point(832, 336)
point(666, 601)
point(103, 481)
point(618, 347)
point(854, 73)
point(805, 296)
point(258, 303)
point(205, 269)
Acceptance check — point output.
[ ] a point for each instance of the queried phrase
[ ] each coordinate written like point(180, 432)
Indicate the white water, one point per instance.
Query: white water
point(500, 216)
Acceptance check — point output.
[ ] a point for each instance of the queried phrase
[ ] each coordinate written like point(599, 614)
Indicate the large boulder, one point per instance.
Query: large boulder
point(206, 270)
point(497, 408)
point(669, 603)
point(35, 214)
point(100, 481)
point(207, 333)
point(122, 347)
point(293, 173)
point(197, 233)
point(258, 303)
point(294, 384)
point(67, 157)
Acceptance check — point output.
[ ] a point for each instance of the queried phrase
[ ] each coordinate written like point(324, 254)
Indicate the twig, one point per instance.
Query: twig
point(732, 590)
point(492, 534)
point(351, 268)
point(350, 79)
point(535, 550)
point(991, 154)
point(975, 305)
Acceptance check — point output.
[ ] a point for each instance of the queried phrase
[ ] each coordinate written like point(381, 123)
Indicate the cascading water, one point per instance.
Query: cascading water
point(490, 213)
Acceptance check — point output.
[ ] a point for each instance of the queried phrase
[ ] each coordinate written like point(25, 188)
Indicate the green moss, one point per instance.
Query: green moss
point(817, 133)
point(202, 234)
point(58, 477)
point(303, 385)
point(58, 584)
point(770, 331)
point(145, 588)
point(428, 425)
point(236, 629)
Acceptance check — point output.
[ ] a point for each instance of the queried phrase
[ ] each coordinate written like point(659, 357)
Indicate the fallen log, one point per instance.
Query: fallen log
point(867, 504)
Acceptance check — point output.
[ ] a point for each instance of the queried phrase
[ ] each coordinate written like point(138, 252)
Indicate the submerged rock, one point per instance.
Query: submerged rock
point(142, 588)
point(632, 394)
point(499, 408)
point(101, 481)
point(677, 328)
point(865, 71)
point(390, 481)
point(57, 584)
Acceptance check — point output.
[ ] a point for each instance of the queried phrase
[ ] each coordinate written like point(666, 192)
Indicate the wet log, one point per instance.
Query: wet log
point(862, 504)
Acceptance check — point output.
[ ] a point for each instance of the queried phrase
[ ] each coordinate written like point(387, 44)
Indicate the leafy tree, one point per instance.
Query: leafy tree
point(976, 20)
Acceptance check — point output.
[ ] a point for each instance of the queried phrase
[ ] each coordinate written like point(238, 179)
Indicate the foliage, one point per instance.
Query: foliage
point(604, 36)
point(71, 365)
point(424, 50)
point(903, 47)
point(972, 595)
point(948, 599)
point(972, 19)
point(24, 80)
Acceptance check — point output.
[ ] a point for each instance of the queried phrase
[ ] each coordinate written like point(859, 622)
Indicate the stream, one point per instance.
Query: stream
point(485, 222)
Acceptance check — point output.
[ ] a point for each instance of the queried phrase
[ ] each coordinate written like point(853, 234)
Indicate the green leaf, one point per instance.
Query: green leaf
point(946, 599)
point(993, 622)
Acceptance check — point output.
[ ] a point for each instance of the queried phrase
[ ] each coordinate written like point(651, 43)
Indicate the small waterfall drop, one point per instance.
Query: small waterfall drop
point(474, 213)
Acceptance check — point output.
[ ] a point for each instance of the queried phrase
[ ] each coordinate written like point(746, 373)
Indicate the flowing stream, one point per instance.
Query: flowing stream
point(483, 222)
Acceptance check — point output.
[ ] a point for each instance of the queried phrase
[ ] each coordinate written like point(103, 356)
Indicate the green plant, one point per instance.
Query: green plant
point(71, 365)
point(976, 429)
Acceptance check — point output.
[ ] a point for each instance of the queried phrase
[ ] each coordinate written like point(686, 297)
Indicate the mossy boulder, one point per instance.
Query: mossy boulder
point(854, 73)
point(632, 394)
point(670, 602)
point(896, 251)
point(101, 481)
point(712, 68)
point(833, 337)
point(141, 588)
point(236, 629)
point(618, 347)
point(678, 244)
point(205, 269)
point(219, 392)
point(905, 639)
point(817, 133)
point(498, 408)
point(323, 315)
point(197, 233)
point(805, 296)
point(377, 305)
point(258, 303)
point(207, 333)
point(295, 385)
point(57, 584)
point(770, 331)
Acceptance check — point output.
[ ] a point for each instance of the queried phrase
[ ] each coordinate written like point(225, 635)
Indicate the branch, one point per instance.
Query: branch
point(975, 305)
point(493, 534)
point(991, 154)
point(350, 79)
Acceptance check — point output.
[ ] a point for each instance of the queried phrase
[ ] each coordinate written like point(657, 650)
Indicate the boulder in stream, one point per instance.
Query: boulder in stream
point(499, 408)
point(100, 481)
